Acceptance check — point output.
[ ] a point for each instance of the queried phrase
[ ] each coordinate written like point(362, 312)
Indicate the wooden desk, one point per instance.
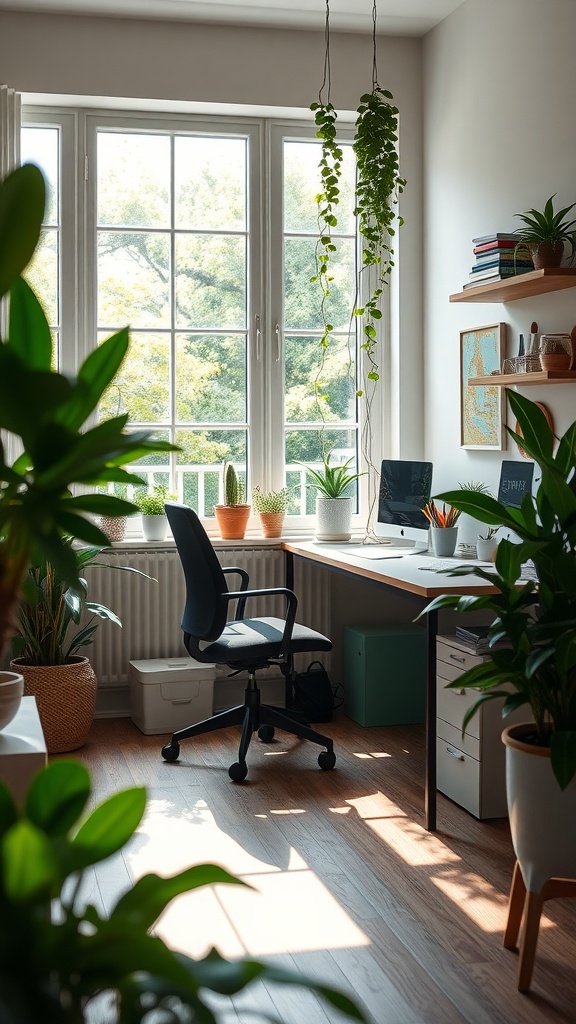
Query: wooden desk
point(409, 575)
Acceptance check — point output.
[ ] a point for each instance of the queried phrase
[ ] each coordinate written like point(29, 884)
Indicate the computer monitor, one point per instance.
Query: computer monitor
point(515, 482)
point(405, 488)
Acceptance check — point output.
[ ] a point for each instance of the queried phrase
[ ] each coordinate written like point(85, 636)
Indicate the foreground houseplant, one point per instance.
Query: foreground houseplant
point(271, 508)
point(232, 516)
point(47, 644)
point(61, 961)
point(532, 663)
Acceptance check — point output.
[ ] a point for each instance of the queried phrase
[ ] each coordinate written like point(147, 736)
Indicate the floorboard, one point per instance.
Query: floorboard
point(346, 884)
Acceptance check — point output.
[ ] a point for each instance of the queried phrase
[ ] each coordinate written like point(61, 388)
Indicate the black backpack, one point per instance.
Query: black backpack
point(314, 695)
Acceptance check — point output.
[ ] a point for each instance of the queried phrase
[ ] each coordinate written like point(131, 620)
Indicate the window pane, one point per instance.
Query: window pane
point(336, 381)
point(133, 179)
point(210, 378)
point(133, 279)
point(308, 446)
point(199, 464)
point(302, 182)
point(41, 146)
point(210, 281)
point(302, 299)
point(148, 361)
point(42, 274)
point(210, 183)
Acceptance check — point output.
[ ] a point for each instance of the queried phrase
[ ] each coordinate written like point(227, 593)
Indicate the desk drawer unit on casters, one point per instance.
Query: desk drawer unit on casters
point(470, 768)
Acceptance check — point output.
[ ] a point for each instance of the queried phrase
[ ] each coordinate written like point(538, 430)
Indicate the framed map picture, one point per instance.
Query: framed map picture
point(482, 408)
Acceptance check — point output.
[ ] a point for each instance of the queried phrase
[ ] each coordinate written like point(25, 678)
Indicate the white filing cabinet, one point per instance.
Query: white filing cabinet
point(471, 769)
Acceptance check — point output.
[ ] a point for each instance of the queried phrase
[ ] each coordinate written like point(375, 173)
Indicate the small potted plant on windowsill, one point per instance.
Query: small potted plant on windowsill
point(151, 508)
point(271, 508)
point(334, 503)
point(232, 516)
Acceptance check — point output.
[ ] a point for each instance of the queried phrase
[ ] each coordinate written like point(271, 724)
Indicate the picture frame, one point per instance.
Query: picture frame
point(482, 407)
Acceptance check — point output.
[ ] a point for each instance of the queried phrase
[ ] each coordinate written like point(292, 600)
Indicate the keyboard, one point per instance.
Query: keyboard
point(441, 564)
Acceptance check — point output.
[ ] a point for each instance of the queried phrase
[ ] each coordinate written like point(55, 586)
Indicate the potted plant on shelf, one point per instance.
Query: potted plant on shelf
point(544, 234)
point(334, 503)
point(532, 655)
point(46, 645)
point(486, 544)
point(271, 507)
point(443, 528)
point(232, 517)
point(150, 504)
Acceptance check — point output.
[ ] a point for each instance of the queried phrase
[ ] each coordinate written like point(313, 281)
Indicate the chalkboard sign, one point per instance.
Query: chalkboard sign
point(515, 482)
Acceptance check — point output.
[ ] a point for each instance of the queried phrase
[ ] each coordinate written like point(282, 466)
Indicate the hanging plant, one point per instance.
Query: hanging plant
point(327, 202)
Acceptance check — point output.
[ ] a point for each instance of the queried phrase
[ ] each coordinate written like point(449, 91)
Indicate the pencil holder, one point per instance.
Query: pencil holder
point(444, 540)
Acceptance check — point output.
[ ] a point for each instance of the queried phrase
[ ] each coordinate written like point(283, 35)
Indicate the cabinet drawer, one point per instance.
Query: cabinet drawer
point(456, 658)
point(458, 776)
point(453, 705)
point(453, 736)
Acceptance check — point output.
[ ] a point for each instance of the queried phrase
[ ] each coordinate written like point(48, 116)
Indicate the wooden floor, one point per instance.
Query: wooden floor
point(348, 886)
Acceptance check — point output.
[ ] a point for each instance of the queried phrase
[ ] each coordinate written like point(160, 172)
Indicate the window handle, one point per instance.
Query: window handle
point(278, 343)
point(258, 338)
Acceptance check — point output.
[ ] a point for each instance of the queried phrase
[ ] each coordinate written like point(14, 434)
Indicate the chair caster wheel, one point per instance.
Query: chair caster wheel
point(171, 752)
point(327, 760)
point(266, 733)
point(238, 771)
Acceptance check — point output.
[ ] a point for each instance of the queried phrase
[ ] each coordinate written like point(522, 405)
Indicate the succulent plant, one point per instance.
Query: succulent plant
point(233, 486)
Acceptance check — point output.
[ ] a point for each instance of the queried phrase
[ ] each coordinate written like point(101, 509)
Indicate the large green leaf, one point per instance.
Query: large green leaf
point(29, 334)
point(537, 437)
point(94, 376)
point(148, 897)
point(8, 812)
point(109, 827)
point(29, 866)
point(57, 797)
point(22, 200)
point(483, 507)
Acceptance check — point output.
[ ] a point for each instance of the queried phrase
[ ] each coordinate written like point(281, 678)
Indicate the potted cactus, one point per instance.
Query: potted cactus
point(232, 516)
point(271, 508)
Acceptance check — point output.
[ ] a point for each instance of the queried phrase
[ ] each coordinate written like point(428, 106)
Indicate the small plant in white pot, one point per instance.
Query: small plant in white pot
point(334, 503)
point(487, 544)
point(532, 662)
point(271, 508)
point(151, 507)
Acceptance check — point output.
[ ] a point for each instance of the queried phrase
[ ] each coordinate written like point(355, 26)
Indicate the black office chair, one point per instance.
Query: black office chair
point(242, 644)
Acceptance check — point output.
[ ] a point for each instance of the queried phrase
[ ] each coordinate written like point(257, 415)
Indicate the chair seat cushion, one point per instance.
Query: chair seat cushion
point(261, 639)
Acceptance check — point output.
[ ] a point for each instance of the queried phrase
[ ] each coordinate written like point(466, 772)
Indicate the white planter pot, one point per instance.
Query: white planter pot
point(334, 518)
point(486, 549)
point(11, 690)
point(542, 816)
point(154, 527)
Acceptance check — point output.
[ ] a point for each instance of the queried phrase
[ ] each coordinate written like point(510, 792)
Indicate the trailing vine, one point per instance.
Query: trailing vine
point(327, 202)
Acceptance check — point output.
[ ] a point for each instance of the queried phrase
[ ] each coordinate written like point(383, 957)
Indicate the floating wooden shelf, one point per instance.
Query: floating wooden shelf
point(538, 377)
point(522, 286)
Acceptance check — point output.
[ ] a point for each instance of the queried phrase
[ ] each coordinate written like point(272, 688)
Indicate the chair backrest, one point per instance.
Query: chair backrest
point(205, 612)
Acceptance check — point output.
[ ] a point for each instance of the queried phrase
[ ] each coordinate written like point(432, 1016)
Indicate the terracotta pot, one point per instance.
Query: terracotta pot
point(555, 361)
point(272, 523)
point(546, 254)
point(66, 699)
point(232, 520)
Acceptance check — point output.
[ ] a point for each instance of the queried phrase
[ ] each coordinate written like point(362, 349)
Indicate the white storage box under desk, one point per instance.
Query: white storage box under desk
point(167, 694)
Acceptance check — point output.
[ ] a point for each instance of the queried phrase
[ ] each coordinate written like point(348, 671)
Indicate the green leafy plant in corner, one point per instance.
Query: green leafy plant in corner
point(332, 481)
point(271, 501)
point(152, 503)
point(537, 620)
point(50, 608)
point(547, 226)
point(48, 413)
point(62, 960)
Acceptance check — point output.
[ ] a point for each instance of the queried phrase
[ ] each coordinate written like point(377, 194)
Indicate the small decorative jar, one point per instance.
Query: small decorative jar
point(555, 351)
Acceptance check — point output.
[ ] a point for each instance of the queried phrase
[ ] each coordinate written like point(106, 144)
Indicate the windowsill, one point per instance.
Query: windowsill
point(251, 540)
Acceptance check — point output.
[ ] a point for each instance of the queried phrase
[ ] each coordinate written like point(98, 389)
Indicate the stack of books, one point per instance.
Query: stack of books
point(475, 637)
point(496, 259)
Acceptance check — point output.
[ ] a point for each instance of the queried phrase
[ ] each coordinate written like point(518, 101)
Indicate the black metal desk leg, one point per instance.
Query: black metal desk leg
point(289, 570)
point(431, 713)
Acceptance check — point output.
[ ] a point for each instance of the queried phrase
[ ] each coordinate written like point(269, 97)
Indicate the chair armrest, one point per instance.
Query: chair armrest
point(245, 580)
point(292, 601)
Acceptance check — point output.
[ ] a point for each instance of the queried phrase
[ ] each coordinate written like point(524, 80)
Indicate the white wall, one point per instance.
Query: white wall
point(253, 67)
point(499, 138)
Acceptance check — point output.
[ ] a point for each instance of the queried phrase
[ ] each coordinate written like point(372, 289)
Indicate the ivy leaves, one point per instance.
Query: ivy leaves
point(327, 202)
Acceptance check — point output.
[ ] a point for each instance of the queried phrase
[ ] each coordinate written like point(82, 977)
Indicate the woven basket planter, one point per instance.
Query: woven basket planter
point(66, 699)
point(272, 523)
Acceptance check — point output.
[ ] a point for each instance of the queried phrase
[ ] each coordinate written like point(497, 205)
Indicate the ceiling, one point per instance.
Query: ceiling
point(396, 17)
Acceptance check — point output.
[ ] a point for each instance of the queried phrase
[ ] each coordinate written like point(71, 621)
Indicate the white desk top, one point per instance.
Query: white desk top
point(407, 572)
point(23, 735)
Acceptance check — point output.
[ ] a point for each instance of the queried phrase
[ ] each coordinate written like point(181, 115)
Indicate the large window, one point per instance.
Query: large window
point(200, 236)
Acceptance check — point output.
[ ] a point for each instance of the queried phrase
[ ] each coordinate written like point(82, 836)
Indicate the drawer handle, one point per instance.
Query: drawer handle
point(454, 753)
point(184, 700)
point(454, 657)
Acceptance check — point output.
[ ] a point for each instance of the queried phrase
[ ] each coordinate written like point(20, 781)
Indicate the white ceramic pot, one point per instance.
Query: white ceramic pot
point(443, 540)
point(486, 549)
point(542, 816)
point(334, 518)
point(11, 690)
point(155, 527)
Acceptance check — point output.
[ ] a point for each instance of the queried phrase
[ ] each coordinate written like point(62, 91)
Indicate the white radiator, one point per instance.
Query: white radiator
point(151, 612)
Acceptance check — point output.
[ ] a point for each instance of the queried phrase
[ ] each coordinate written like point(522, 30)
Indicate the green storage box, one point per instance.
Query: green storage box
point(385, 675)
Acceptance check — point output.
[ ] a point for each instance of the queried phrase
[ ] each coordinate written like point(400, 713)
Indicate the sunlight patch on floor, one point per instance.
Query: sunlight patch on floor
point(407, 839)
point(363, 755)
